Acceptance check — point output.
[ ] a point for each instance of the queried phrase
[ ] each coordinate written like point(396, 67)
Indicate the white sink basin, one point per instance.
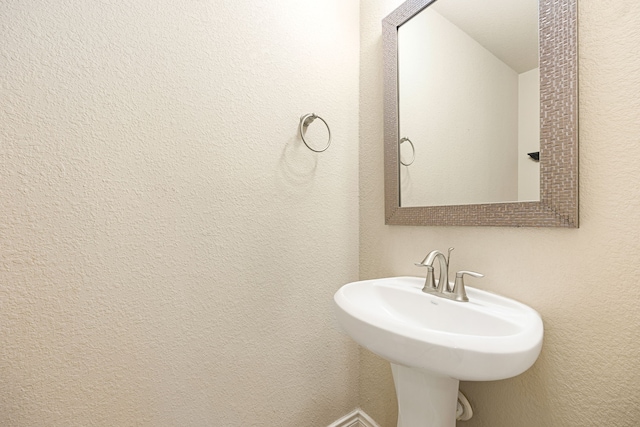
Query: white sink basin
point(488, 338)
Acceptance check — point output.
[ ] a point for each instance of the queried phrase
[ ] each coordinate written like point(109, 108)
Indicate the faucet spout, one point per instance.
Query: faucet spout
point(443, 281)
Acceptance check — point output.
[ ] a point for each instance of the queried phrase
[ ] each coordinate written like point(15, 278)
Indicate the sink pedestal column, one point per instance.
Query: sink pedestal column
point(424, 399)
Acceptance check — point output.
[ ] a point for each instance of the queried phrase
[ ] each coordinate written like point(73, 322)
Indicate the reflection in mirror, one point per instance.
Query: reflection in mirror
point(469, 91)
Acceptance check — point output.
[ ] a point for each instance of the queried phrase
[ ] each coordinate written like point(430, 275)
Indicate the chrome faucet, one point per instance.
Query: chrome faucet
point(443, 288)
point(443, 281)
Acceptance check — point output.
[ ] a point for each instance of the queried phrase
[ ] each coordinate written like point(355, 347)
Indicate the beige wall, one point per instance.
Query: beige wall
point(583, 282)
point(168, 247)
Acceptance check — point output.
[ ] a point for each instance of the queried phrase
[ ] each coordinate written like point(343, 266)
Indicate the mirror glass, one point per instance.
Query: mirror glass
point(469, 103)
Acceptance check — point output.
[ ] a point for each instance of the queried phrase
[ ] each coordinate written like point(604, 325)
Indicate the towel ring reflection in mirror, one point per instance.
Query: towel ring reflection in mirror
point(305, 121)
point(413, 151)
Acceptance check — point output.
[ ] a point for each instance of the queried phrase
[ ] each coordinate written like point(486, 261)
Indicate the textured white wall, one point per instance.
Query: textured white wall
point(168, 247)
point(459, 106)
point(584, 282)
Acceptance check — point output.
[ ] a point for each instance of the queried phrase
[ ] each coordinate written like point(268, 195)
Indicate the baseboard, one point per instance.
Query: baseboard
point(357, 418)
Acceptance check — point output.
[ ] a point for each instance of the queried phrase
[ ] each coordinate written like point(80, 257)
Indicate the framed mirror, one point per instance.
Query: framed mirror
point(465, 109)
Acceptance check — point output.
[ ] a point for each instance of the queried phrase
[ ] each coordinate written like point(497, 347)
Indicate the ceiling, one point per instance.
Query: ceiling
point(507, 28)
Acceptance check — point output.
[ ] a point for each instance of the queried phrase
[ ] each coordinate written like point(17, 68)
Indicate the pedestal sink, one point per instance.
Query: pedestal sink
point(433, 343)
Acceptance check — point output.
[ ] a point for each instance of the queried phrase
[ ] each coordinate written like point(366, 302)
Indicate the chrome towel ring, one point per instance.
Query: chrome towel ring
point(305, 121)
point(413, 149)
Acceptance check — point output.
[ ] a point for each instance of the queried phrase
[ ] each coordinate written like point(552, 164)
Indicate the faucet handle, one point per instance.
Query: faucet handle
point(459, 293)
point(430, 282)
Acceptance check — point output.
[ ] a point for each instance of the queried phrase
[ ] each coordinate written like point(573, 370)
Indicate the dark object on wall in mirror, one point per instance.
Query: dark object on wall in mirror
point(535, 155)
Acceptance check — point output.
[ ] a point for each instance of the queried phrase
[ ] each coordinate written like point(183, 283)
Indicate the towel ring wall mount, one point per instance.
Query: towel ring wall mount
point(305, 121)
